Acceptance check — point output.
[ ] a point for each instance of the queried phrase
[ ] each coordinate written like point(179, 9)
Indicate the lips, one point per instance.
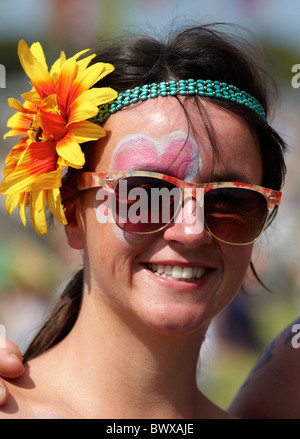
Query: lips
point(177, 272)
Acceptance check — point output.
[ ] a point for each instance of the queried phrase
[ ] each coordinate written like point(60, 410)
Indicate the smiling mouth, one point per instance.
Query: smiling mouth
point(176, 272)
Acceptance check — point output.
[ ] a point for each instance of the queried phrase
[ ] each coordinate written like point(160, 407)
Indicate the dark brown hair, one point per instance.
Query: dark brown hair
point(215, 52)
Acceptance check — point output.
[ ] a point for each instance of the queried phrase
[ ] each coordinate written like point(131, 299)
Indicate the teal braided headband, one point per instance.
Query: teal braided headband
point(190, 87)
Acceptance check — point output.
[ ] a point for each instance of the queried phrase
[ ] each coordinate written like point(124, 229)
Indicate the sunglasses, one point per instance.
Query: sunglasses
point(146, 202)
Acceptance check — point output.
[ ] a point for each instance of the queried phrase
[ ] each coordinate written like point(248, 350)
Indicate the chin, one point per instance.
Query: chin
point(175, 320)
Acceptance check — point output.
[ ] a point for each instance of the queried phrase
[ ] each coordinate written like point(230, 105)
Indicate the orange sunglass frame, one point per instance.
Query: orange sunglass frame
point(89, 180)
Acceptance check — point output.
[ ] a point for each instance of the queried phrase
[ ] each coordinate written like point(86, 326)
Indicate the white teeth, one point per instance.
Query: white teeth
point(177, 272)
point(160, 268)
point(199, 272)
point(187, 272)
point(169, 270)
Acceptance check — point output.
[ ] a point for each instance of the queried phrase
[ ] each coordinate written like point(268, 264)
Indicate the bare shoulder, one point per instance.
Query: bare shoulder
point(25, 400)
point(272, 389)
point(20, 402)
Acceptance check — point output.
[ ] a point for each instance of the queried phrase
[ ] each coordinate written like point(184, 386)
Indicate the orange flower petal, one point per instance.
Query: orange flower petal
point(37, 206)
point(87, 78)
point(20, 122)
point(11, 203)
point(37, 51)
point(86, 131)
point(104, 69)
point(32, 96)
point(39, 76)
point(64, 84)
point(36, 165)
point(79, 54)
point(23, 202)
point(82, 109)
point(69, 150)
point(53, 124)
point(51, 180)
point(56, 67)
point(22, 181)
point(14, 156)
point(49, 103)
point(86, 105)
point(38, 158)
point(17, 106)
point(84, 63)
point(11, 133)
point(55, 206)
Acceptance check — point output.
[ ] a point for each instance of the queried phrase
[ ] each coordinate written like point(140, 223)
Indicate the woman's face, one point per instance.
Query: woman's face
point(119, 267)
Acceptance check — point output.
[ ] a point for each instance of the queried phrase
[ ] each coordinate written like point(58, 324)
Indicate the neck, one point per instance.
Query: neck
point(138, 370)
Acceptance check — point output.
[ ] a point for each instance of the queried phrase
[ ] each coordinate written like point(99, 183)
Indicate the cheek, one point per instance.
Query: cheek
point(128, 238)
point(236, 263)
point(102, 252)
point(106, 242)
point(119, 234)
point(111, 259)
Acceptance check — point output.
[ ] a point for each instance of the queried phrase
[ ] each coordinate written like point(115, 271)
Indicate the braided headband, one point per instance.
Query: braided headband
point(63, 110)
point(189, 87)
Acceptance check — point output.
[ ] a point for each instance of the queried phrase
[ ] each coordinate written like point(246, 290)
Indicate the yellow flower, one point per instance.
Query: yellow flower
point(54, 121)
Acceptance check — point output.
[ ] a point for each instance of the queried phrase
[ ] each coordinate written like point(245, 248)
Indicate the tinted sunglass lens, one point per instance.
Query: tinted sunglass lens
point(235, 215)
point(145, 204)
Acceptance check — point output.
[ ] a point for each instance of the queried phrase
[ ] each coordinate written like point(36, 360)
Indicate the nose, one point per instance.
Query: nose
point(188, 227)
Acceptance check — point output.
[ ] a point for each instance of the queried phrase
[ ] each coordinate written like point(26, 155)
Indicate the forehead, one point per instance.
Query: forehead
point(178, 135)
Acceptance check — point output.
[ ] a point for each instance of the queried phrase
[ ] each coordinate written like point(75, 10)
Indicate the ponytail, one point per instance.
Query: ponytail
point(61, 320)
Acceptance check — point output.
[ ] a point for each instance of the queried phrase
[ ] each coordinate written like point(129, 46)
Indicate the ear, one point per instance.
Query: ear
point(74, 229)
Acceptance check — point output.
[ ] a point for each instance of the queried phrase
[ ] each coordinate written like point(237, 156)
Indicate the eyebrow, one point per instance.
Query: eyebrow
point(225, 176)
point(151, 168)
point(232, 176)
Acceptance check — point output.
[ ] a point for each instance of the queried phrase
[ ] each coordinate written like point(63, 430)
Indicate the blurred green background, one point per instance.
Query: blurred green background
point(33, 270)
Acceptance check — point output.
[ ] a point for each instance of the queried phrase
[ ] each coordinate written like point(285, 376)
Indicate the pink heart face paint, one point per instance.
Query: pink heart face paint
point(174, 155)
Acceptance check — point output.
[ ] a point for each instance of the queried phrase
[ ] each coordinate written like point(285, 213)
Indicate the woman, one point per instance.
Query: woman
point(130, 325)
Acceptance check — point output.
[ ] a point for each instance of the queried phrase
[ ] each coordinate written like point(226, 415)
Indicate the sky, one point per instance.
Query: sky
point(273, 19)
